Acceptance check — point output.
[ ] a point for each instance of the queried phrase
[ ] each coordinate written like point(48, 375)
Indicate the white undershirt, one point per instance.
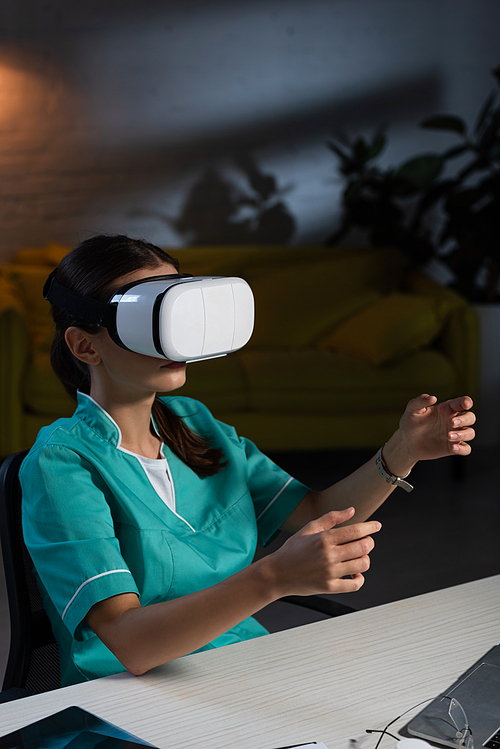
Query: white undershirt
point(158, 473)
point(157, 470)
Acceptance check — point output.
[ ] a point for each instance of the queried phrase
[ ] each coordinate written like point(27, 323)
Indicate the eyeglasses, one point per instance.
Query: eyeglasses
point(460, 722)
point(455, 722)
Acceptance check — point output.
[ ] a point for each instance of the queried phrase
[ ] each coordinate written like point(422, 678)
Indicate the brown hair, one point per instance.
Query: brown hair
point(91, 270)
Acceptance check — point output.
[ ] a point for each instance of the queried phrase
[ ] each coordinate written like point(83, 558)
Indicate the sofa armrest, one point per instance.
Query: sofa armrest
point(15, 347)
point(460, 336)
point(9, 299)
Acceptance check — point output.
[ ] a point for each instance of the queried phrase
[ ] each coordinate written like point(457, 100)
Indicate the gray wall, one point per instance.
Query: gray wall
point(112, 111)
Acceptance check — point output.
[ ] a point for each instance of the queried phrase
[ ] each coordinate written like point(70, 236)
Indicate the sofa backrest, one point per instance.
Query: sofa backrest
point(301, 292)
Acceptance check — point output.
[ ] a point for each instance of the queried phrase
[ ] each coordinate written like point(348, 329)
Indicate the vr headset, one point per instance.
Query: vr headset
point(178, 317)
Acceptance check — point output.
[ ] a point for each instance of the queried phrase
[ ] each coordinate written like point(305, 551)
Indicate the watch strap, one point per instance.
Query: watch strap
point(389, 477)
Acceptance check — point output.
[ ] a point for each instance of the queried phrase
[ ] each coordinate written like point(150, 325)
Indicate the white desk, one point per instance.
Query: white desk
point(326, 681)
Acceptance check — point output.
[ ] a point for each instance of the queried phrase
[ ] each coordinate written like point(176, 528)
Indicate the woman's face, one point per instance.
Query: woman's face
point(123, 373)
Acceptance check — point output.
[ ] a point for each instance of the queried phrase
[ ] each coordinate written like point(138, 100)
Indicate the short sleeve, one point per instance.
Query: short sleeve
point(274, 492)
point(68, 530)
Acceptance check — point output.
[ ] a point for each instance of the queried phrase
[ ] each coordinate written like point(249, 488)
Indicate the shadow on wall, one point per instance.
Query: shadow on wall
point(68, 183)
point(400, 102)
point(217, 211)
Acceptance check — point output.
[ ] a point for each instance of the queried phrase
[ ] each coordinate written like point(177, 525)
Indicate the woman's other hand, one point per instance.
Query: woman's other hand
point(322, 558)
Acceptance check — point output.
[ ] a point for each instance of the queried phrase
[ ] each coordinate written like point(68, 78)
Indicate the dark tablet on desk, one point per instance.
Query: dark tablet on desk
point(72, 728)
point(478, 692)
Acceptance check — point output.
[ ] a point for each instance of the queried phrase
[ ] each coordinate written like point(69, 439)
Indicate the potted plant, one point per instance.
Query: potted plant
point(434, 212)
point(454, 219)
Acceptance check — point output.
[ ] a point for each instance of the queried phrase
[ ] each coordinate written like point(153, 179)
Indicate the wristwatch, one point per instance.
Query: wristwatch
point(389, 477)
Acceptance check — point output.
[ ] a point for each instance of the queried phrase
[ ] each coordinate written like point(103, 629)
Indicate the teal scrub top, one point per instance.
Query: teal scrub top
point(95, 527)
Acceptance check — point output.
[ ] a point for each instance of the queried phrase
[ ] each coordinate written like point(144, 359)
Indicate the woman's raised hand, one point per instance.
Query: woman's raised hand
point(433, 430)
point(324, 558)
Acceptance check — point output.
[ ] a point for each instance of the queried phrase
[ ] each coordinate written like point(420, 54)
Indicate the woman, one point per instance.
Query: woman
point(142, 514)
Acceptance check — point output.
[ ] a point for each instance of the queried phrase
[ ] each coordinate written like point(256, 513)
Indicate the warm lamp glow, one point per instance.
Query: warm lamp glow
point(13, 93)
point(35, 100)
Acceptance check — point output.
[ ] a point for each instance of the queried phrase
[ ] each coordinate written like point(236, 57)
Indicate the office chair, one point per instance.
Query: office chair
point(322, 605)
point(33, 662)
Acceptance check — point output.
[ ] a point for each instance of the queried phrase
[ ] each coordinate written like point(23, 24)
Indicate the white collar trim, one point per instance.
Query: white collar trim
point(108, 416)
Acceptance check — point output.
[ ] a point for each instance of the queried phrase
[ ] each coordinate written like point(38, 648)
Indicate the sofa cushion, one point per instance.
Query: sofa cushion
point(50, 255)
point(394, 326)
point(219, 383)
point(42, 392)
point(298, 303)
point(321, 381)
point(9, 298)
point(28, 283)
point(300, 292)
point(222, 261)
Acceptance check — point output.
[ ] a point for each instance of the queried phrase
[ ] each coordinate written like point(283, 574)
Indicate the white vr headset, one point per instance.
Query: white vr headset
point(176, 317)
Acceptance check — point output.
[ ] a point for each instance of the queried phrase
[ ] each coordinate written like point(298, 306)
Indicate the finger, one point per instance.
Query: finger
point(355, 566)
point(354, 550)
point(419, 404)
point(463, 419)
point(464, 435)
point(464, 403)
point(462, 448)
point(349, 533)
point(349, 584)
point(358, 580)
point(329, 520)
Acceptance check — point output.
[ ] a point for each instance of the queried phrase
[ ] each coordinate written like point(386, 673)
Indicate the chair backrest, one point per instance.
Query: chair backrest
point(33, 661)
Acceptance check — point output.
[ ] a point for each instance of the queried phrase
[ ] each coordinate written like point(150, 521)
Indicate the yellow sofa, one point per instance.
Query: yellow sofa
point(343, 338)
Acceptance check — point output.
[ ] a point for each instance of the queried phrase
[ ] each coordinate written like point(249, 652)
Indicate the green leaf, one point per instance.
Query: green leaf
point(463, 199)
point(352, 191)
point(418, 173)
point(337, 150)
point(377, 146)
point(495, 152)
point(349, 167)
point(485, 111)
point(488, 137)
point(456, 151)
point(445, 122)
point(431, 196)
point(361, 150)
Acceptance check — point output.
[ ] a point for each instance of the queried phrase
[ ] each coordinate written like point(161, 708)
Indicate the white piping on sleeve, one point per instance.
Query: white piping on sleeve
point(274, 498)
point(102, 574)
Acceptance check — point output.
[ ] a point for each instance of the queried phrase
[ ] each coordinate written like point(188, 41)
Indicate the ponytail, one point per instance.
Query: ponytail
point(195, 451)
